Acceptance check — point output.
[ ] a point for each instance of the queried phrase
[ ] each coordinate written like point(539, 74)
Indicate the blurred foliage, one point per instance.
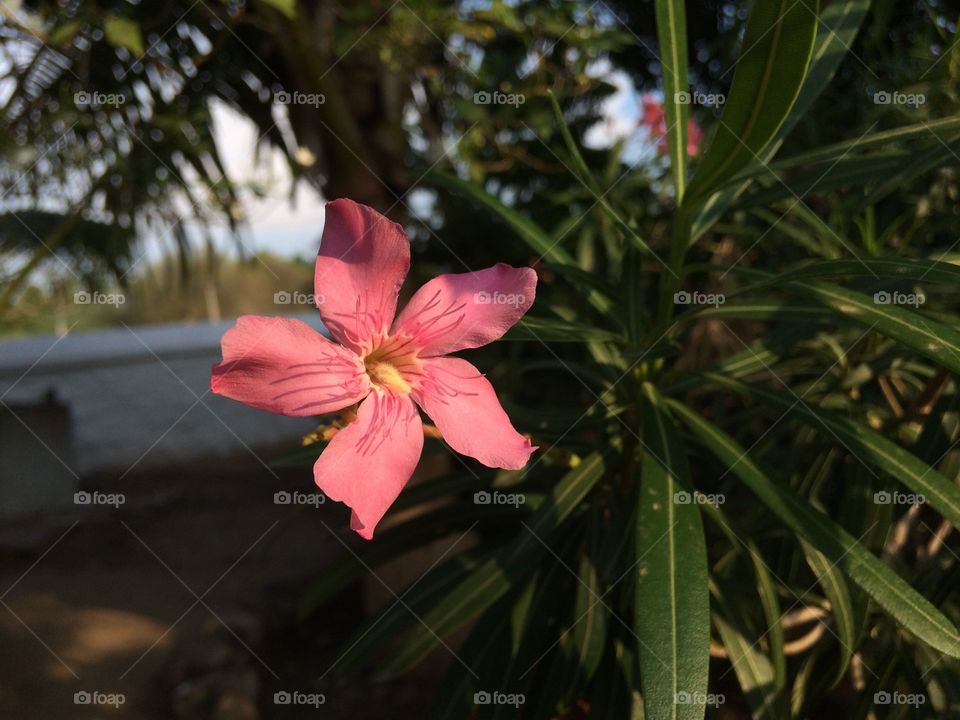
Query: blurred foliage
point(210, 287)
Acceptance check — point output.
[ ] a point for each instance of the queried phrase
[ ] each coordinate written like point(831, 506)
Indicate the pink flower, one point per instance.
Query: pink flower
point(655, 121)
point(388, 364)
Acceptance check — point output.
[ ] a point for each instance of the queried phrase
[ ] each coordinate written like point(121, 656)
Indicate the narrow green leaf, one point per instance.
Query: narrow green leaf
point(908, 607)
point(913, 269)
point(589, 609)
point(767, 591)
point(931, 338)
point(493, 578)
point(64, 32)
point(454, 699)
point(866, 445)
point(395, 541)
point(839, 25)
point(633, 300)
point(582, 173)
point(539, 241)
point(777, 47)
point(829, 154)
point(548, 330)
point(672, 37)
point(752, 668)
point(841, 604)
point(761, 310)
point(124, 33)
point(758, 357)
point(610, 697)
point(671, 604)
point(287, 7)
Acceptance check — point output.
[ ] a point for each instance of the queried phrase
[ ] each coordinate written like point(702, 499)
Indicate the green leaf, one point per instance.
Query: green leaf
point(633, 298)
point(124, 33)
point(549, 330)
point(931, 338)
point(589, 610)
point(610, 696)
point(841, 604)
point(482, 587)
point(63, 33)
point(908, 607)
point(485, 644)
point(672, 37)
point(912, 269)
point(541, 243)
point(671, 605)
point(767, 590)
point(395, 542)
point(839, 25)
point(752, 668)
point(287, 7)
point(829, 154)
point(866, 445)
point(777, 47)
point(761, 310)
point(758, 357)
point(582, 173)
point(529, 232)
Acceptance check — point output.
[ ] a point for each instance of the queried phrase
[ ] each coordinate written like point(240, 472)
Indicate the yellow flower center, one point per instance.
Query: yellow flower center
point(392, 366)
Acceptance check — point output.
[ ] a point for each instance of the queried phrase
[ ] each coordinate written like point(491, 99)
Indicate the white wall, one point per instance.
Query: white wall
point(139, 397)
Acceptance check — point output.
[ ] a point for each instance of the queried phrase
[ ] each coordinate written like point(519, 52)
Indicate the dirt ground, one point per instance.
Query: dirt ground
point(181, 604)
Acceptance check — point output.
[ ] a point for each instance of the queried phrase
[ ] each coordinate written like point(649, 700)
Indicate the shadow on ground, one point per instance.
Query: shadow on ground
point(181, 603)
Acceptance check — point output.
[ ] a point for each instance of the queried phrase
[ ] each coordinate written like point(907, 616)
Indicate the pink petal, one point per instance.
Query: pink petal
point(465, 408)
point(467, 310)
point(362, 262)
point(367, 463)
point(285, 366)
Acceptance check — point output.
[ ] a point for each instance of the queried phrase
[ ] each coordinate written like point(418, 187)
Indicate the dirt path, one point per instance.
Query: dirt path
point(181, 601)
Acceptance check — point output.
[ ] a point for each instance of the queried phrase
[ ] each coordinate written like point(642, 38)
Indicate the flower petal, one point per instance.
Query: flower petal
point(367, 464)
point(285, 366)
point(466, 310)
point(362, 262)
point(464, 406)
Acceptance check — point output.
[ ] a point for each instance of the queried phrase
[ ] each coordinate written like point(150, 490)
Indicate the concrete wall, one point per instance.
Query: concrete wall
point(115, 401)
